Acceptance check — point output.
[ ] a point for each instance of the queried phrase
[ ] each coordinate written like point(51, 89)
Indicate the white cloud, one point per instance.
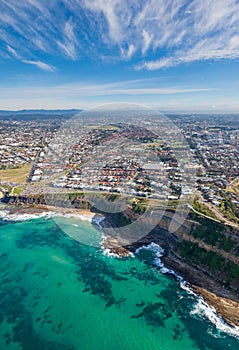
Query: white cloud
point(13, 52)
point(44, 66)
point(204, 31)
point(147, 39)
point(158, 64)
point(175, 31)
point(78, 95)
point(117, 14)
point(70, 40)
point(68, 49)
point(69, 30)
point(127, 53)
point(83, 95)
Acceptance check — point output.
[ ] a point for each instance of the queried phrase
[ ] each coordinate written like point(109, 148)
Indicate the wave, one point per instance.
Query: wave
point(107, 252)
point(5, 215)
point(159, 253)
point(97, 219)
point(201, 308)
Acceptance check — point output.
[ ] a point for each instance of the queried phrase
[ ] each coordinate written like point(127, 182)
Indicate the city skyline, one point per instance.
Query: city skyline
point(174, 56)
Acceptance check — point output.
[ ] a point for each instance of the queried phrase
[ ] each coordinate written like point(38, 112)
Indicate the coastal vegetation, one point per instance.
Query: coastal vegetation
point(119, 219)
point(229, 208)
point(222, 269)
point(202, 208)
point(213, 233)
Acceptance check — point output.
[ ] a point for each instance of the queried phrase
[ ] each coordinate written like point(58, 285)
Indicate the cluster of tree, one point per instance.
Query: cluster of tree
point(230, 209)
point(217, 264)
point(120, 219)
point(202, 208)
point(211, 233)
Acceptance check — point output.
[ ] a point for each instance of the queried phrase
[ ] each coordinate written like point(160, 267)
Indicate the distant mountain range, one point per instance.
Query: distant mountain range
point(50, 112)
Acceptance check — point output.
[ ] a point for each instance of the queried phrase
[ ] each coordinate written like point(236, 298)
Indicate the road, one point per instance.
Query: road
point(221, 218)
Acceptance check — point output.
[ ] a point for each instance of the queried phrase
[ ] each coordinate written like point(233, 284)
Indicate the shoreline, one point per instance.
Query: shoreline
point(226, 308)
point(224, 302)
point(36, 209)
point(214, 294)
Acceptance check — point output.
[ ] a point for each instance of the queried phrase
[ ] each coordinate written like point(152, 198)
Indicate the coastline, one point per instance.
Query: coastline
point(38, 209)
point(226, 308)
point(223, 301)
point(197, 282)
point(210, 290)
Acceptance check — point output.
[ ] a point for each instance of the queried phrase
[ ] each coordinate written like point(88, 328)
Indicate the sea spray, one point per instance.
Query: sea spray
point(5, 215)
point(203, 310)
point(159, 253)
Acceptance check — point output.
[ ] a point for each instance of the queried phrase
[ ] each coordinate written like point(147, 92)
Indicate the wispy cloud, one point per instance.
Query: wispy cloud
point(195, 30)
point(83, 96)
point(157, 64)
point(172, 32)
point(70, 41)
point(13, 52)
point(128, 52)
point(147, 40)
point(118, 90)
point(123, 89)
point(44, 66)
point(41, 65)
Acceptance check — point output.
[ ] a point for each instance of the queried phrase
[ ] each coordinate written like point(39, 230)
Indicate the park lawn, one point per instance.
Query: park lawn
point(18, 175)
point(18, 190)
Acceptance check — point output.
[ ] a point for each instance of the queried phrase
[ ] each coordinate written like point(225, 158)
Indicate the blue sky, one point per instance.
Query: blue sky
point(176, 55)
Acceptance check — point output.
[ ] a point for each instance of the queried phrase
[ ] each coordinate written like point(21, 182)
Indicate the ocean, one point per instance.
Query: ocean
point(58, 293)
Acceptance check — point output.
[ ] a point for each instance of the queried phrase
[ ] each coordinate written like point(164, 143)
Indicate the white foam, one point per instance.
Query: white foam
point(3, 213)
point(185, 287)
point(6, 216)
point(202, 309)
point(153, 247)
point(24, 217)
point(97, 219)
point(107, 252)
point(159, 252)
point(83, 217)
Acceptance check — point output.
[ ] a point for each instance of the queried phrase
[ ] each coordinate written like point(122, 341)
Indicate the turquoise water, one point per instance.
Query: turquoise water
point(57, 293)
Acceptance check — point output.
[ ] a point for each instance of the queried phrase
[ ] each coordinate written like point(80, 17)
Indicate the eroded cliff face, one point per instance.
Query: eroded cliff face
point(51, 199)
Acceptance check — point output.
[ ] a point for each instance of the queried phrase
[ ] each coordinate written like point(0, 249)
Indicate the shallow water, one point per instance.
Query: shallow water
point(57, 293)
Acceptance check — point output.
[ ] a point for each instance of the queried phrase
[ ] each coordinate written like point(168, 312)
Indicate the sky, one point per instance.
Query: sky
point(173, 55)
